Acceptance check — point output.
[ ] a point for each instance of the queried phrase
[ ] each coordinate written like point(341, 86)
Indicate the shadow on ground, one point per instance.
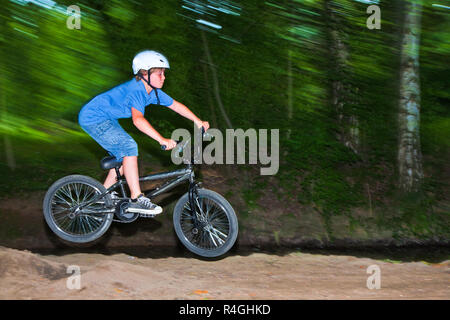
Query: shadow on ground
point(429, 254)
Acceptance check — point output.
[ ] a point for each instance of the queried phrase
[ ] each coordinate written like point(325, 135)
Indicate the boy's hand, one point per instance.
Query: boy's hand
point(169, 143)
point(204, 124)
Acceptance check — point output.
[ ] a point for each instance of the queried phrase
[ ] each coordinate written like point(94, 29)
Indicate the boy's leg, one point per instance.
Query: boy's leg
point(111, 178)
point(108, 134)
point(130, 169)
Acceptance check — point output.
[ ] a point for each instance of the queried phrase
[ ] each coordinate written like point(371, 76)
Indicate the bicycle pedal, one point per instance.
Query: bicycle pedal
point(147, 215)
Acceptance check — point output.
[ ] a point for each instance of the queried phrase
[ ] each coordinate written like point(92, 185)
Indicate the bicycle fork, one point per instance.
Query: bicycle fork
point(193, 203)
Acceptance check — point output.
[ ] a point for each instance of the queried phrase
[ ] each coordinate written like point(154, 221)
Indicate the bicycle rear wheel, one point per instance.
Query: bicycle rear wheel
point(217, 227)
point(61, 201)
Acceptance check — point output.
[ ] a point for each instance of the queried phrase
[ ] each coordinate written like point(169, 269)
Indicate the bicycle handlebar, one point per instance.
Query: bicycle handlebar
point(163, 147)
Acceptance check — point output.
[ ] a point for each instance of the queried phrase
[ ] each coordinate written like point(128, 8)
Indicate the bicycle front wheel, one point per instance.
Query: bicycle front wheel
point(60, 204)
point(214, 230)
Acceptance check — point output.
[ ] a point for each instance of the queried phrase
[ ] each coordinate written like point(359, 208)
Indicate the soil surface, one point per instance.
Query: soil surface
point(169, 275)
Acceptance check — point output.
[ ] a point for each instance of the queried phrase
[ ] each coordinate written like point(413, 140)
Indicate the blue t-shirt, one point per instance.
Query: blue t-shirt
point(117, 103)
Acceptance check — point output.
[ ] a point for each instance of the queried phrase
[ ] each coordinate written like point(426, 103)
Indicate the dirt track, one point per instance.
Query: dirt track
point(295, 275)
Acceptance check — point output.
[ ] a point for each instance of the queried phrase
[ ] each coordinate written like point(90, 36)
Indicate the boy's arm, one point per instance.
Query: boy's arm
point(185, 112)
point(143, 125)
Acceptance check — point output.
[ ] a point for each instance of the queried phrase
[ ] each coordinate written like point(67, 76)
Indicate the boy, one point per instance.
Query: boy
point(99, 118)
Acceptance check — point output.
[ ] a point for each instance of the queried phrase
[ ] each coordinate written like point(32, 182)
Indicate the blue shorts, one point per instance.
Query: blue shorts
point(111, 136)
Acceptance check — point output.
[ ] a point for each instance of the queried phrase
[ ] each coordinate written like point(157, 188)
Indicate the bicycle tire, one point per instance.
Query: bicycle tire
point(58, 191)
point(223, 211)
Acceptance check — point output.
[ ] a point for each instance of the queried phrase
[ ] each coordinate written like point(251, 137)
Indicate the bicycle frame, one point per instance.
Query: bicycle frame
point(182, 175)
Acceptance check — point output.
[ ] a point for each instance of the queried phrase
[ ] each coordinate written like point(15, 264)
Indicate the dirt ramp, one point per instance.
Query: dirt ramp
point(24, 265)
point(24, 275)
point(112, 279)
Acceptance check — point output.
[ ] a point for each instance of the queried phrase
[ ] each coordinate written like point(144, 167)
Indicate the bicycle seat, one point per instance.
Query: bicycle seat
point(110, 162)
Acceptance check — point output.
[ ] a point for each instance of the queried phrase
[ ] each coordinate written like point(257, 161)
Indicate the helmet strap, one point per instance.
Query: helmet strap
point(148, 82)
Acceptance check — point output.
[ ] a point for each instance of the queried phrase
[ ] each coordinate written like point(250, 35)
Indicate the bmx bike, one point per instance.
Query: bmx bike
point(79, 209)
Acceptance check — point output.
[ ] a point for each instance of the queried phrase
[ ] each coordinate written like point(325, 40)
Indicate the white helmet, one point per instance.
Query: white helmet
point(149, 59)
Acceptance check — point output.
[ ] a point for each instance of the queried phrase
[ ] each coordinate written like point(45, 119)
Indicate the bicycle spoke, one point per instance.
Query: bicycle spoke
point(217, 212)
point(64, 192)
point(87, 195)
point(82, 229)
point(62, 199)
point(75, 192)
point(92, 223)
point(220, 240)
point(211, 236)
point(219, 233)
point(70, 225)
point(68, 193)
point(61, 210)
point(62, 218)
point(200, 207)
point(79, 192)
point(208, 207)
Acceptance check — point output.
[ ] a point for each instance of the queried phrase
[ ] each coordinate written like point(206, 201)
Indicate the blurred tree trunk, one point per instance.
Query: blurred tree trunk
point(214, 121)
point(289, 93)
point(6, 74)
point(215, 80)
point(348, 131)
point(409, 150)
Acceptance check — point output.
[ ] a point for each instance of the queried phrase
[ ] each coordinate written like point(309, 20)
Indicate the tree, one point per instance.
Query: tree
point(348, 130)
point(409, 149)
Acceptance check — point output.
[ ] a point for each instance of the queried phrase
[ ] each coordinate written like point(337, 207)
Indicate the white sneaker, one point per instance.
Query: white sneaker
point(143, 205)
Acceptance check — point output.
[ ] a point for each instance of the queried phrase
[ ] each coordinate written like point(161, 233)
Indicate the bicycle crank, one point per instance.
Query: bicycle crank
point(122, 212)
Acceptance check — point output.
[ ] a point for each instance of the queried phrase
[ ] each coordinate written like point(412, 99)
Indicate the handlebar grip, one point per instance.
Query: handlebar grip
point(163, 147)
